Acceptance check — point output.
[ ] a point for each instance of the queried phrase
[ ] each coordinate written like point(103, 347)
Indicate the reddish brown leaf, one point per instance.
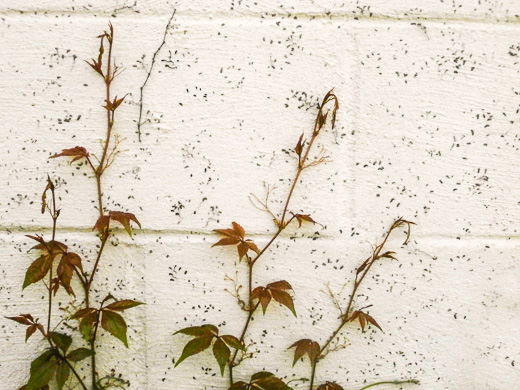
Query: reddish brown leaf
point(65, 272)
point(306, 346)
point(78, 152)
point(251, 245)
point(124, 219)
point(239, 230)
point(228, 233)
point(303, 218)
point(299, 146)
point(330, 386)
point(102, 224)
point(227, 241)
point(284, 298)
point(30, 331)
point(82, 313)
point(123, 305)
point(373, 322)
point(264, 297)
point(242, 250)
point(233, 342)
point(24, 319)
point(280, 285)
point(38, 270)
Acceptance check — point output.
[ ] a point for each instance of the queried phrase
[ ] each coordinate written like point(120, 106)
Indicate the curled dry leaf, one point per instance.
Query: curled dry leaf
point(363, 319)
point(236, 236)
point(276, 290)
point(306, 347)
point(303, 218)
point(77, 152)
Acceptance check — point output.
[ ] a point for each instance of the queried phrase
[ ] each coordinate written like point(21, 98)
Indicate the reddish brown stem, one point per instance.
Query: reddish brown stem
point(282, 224)
point(357, 283)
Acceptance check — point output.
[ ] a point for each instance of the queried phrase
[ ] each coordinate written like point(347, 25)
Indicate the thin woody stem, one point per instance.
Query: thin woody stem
point(357, 284)
point(282, 224)
point(413, 381)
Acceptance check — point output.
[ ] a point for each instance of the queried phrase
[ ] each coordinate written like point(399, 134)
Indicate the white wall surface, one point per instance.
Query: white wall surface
point(428, 130)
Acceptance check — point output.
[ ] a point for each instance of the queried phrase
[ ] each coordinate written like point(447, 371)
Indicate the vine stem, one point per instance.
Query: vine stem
point(149, 73)
point(282, 224)
point(357, 283)
point(413, 381)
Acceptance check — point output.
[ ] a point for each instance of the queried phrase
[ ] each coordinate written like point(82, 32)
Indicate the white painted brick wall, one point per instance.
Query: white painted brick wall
point(428, 129)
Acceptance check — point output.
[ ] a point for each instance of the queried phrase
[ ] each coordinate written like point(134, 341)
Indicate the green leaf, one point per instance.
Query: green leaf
point(62, 375)
point(87, 323)
point(79, 354)
point(123, 305)
point(197, 331)
point(37, 270)
point(63, 341)
point(114, 324)
point(194, 347)
point(42, 372)
point(222, 353)
point(233, 342)
point(44, 357)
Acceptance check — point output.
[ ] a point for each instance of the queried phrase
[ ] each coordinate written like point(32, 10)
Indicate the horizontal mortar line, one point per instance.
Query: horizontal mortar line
point(263, 234)
point(332, 16)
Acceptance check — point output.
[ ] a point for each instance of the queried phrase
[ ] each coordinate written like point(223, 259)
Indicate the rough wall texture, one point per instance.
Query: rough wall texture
point(428, 130)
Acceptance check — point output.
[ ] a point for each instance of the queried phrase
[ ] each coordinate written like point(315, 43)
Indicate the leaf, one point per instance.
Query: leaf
point(284, 298)
point(227, 241)
point(82, 313)
point(373, 322)
point(50, 186)
point(281, 285)
point(114, 324)
point(24, 319)
point(78, 152)
point(236, 236)
point(65, 272)
point(43, 369)
point(330, 386)
point(264, 298)
point(233, 342)
point(124, 219)
point(86, 324)
point(222, 353)
point(306, 346)
point(303, 218)
point(194, 347)
point(123, 305)
point(267, 381)
point(79, 354)
point(102, 224)
point(61, 340)
point(204, 330)
point(38, 270)
point(299, 146)
point(30, 331)
point(62, 375)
